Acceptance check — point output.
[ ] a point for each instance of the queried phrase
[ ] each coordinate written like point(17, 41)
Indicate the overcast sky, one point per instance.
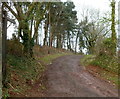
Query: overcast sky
point(102, 5)
point(99, 4)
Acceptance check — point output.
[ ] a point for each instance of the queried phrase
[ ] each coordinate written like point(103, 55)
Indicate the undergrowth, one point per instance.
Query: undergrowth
point(23, 73)
point(107, 63)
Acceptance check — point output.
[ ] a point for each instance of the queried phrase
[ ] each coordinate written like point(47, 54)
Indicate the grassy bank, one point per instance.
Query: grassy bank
point(105, 67)
point(23, 73)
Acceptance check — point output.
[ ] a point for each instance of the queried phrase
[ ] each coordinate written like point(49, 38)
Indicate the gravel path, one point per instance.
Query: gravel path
point(67, 78)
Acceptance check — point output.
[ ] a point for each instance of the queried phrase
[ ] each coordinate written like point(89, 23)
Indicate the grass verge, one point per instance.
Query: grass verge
point(23, 73)
point(50, 57)
point(105, 67)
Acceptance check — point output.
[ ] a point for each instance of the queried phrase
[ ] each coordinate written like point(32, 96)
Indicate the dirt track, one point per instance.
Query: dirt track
point(67, 78)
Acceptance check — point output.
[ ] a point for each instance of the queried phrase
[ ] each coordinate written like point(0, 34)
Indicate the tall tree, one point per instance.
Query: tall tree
point(90, 30)
point(25, 12)
point(113, 36)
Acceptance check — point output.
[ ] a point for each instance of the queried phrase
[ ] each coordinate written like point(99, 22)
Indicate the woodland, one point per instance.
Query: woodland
point(94, 37)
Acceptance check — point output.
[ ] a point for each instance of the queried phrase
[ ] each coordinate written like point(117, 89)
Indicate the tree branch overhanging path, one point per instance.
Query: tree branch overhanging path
point(61, 26)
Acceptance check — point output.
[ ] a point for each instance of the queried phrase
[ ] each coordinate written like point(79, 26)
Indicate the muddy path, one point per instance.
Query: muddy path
point(67, 78)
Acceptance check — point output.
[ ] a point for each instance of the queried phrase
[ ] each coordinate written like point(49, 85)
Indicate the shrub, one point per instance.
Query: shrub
point(14, 47)
point(107, 62)
point(104, 56)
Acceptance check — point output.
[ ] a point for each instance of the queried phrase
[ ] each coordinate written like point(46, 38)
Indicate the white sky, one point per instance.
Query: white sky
point(102, 5)
point(99, 4)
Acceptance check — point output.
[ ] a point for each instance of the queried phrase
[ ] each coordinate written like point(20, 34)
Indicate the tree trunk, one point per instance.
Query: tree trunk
point(36, 36)
point(46, 31)
point(50, 28)
point(113, 28)
point(63, 41)
point(19, 32)
point(51, 36)
point(4, 38)
point(57, 42)
point(69, 41)
point(59, 45)
point(27, 41)
point(31, 27)
point(76, 42)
